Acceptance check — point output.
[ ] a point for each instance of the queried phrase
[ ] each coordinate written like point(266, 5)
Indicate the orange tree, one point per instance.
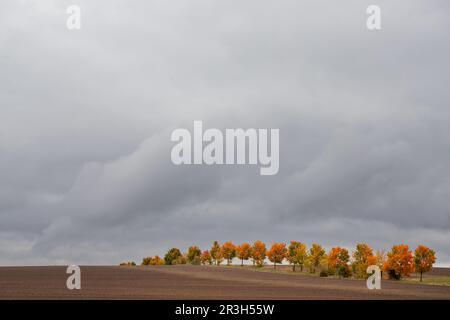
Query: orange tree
point(399, 262)
point(206, 258)
point(362, 258)
point(259, 253)
point(228, 251)
point(338, 261)
point(243, 252)
point(423, 259)
point(297, 254)
point(277, 253)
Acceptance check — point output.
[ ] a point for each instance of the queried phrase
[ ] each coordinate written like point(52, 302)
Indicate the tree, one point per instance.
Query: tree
point(152, 261)
point(381, 257)
point(146, 261)
point(193, 255)
point(156, 261)
point(259, 253)
point(243, 252)
point(228, 251)
point(216, 253)
point(172, 255)
point(362, 258)
point(316, 255)
point(277, 253)
point(338, 261)
point(206, 258)
point(297, 254)
point(423, 259)
point(180, 260)
point(399, 262)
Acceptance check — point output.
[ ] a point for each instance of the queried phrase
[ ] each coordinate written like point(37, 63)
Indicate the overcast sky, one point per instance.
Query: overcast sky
point(86, 118)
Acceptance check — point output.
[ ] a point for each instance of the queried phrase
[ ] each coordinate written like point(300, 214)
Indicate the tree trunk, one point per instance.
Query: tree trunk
point(421, 276)
point(293, 268)
point(274, 265)
point(242, 262)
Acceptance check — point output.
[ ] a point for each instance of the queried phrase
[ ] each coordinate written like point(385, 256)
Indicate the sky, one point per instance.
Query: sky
point(86, 117)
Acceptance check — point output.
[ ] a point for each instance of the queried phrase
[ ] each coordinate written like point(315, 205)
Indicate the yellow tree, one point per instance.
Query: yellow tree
point(297, 254)
point(172, 256)
point(259, 253)
point(228, 251)
point(146, 261)
point(216, 253)
point(381, 257)
point(193, 255)
point(277, 253)
point(243, 252)
point(316, 254)
point(424, 258)
point(156, 261)
point(362, 258)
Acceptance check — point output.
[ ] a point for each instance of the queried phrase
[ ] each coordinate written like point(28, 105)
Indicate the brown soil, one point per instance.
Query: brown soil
point(198, 282)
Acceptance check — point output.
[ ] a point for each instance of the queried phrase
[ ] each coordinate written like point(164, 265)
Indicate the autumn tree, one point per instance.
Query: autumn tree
point(206, 258)
point(146, 261)
point(152, 261)
point(399, 262)
point(316, 255)
point(156, 261)
point(259, 253)
point(172, 255)
point(423, 259)
point(180, 260)
point(277, 253)
point(338, 259)
point(297, 254)
point(216, 253)
point(362, 258)
point(193, 255)
point(228, 251)
point(381, 257)
point(243, 252)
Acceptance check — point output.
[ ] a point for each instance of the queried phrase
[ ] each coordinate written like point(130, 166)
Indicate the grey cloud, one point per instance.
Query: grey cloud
point(85, 122)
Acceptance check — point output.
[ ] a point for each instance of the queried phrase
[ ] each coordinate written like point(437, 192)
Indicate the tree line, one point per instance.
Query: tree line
point(399, 262)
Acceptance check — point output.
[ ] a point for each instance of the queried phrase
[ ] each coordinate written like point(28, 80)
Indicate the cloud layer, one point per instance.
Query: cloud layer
point(86, 117)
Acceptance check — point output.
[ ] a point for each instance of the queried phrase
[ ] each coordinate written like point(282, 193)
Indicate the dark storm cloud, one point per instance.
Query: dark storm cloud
point(86, 117)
